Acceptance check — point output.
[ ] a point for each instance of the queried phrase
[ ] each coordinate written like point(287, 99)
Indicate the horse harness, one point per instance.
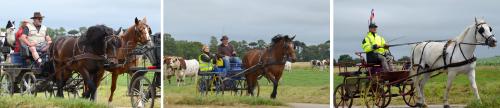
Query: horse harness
point(444, 54)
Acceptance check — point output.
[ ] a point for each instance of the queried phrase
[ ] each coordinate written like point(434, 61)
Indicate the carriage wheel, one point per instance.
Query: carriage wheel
point(202, 86)
point(7, 85)
point(342, 97)
point(371, 94)
point(74, 87)
point(385, 95)
point(240, 87)
point(407, 90)
point(219, 86)
point(140, 94)
point(28, 84)
point(49, 89)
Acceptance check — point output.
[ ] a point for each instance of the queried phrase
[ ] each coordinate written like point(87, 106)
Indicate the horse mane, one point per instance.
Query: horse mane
point(95, 37)
point(276, 39)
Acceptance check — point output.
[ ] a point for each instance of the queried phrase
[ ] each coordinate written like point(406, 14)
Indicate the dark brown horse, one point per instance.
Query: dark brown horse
point(269, 62)
point(139, 33)
point(85, 55)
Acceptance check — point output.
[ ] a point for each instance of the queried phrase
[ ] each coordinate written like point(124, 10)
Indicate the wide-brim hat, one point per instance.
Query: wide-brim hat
point(37, 15)
point(224, 38)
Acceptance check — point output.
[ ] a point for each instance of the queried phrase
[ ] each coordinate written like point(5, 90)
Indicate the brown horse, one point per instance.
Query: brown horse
point(269, 62)
point(84, 55)
point(139, 33)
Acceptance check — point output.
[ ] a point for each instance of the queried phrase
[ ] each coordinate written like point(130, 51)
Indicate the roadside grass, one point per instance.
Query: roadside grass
point(302, 85)
point(487, 79)
point(39, 102)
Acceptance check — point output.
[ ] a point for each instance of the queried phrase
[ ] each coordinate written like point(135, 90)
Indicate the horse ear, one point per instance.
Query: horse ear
point(293, 37)
point(475, 19)
point(136, 21)
point(144, 20)
point(119, 31)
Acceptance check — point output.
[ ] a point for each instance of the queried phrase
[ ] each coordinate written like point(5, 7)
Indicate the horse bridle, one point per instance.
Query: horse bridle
point(479, 29)
point(285, 57)
point(107, 40)
point(137, 31)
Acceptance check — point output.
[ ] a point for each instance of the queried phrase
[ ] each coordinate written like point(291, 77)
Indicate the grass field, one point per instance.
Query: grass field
point(487, 79)
point(120, 98)
point(303, 85)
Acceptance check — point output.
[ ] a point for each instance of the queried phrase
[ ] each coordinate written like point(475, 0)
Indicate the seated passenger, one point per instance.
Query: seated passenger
point(35, 37)
point(206, 60)
point(227, 52)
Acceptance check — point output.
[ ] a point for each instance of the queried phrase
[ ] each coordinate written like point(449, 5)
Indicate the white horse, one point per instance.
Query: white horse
point(430, 56)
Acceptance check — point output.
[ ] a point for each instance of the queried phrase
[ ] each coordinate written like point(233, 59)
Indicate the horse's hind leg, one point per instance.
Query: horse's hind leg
point(472, 79)
point(451, 77)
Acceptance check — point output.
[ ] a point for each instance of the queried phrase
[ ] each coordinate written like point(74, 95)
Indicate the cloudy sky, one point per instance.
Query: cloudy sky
point(72, 14)
point(250, 20)
point(410, 21)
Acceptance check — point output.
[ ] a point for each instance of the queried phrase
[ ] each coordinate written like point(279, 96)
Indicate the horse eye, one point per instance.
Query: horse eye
point(491, 29)
point(481, 30)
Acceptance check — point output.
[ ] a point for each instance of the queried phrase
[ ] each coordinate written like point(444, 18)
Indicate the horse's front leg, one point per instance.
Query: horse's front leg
point(419, 84)
point(472, 79)
point(275, 84)
point(60, 84)
point(114, 77)
point(451, 77)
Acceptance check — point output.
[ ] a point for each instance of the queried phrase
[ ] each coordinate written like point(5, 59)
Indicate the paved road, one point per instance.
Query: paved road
point(429, 106)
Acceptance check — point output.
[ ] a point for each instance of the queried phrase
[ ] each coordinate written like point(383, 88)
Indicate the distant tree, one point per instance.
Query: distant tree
point(404, 59)
point(62, 31)
point(3, 29)
point(252, 44)
point(345, 58)
point(82, 29)
point(73, 32)
point(261, 43)
point(213, 44)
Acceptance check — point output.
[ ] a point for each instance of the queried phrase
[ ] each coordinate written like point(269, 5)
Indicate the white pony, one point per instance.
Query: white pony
point(459, 52)
point(288, 66)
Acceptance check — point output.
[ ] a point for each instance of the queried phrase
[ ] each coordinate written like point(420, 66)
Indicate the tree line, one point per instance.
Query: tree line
point(346, 59)
point(191, 49)
point(61, 31)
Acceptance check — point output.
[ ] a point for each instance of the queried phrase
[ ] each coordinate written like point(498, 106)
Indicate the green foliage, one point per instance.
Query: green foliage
point(345, 58)
point(73, 32)
point(188, 49)
point(182, 48)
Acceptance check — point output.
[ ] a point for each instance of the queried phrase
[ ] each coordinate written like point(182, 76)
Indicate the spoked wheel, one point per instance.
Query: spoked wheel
point(371, 94)
point(140, 93)
point(7, 85)
point(407, 90)
point(342, 97)
point(49, 89)
point(219, 86)
point(203, 86)
point(28, 84)
point(384, 98)
point(240, 87)
point(74, 87)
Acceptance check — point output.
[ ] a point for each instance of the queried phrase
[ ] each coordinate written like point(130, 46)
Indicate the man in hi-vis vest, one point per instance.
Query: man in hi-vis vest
point(35, 37)
point(375, 48)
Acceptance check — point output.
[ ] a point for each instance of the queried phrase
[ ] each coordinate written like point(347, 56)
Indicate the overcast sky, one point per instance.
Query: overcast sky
point(249, 20)
point(414, 21)
point(72, 14)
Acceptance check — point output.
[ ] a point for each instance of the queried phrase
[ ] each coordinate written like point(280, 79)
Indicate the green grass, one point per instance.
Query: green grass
point(491, 61)
point(487, 79)
point(29, 101)
point(300, 86)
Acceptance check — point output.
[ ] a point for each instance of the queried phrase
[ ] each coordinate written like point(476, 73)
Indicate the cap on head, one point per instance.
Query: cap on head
point(37, 15)
point(372, 25)
point(224, 38)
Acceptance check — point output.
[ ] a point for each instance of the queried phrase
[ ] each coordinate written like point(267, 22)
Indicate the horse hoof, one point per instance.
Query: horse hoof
point(447, 106)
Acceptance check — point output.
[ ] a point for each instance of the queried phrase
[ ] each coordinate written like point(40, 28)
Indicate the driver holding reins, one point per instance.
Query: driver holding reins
point(375, 48)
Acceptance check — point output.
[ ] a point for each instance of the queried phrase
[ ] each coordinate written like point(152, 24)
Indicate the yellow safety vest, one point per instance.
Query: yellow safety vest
point(370, 40)
point(205, 66)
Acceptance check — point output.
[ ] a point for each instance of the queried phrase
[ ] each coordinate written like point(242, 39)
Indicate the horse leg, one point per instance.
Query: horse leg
point(426, 77)
point(451, 77)
point(114, 77)
point(60, 84)
point(472, 79)
point(251, 82)
point(275, 84)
